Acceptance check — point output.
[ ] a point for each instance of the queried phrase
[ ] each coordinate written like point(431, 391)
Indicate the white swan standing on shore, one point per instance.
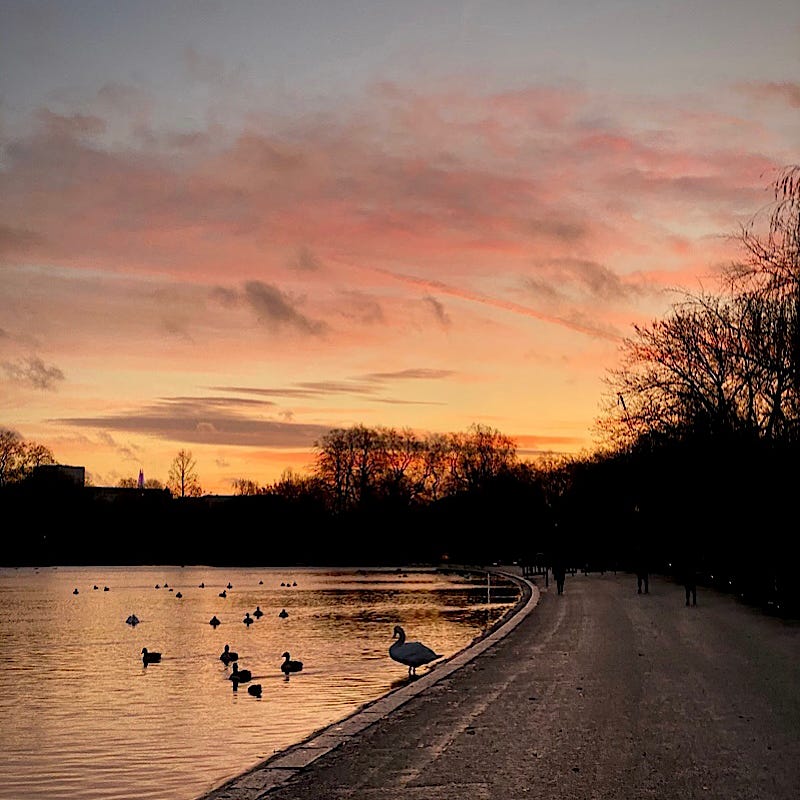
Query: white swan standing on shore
point(412, 654)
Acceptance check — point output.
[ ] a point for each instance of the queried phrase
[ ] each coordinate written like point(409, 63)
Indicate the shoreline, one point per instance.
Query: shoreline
point(284, 765)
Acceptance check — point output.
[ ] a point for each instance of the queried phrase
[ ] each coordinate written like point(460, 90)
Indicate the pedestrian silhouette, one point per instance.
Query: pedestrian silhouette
point(642, 572)
point(690, 582)
point(559, 572)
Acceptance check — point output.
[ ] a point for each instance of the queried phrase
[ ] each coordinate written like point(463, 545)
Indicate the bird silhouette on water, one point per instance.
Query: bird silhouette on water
point(284, 613)
point(248, 620)
point(412, 654)
point(150, 658)
point(289, 666)
point(239, 675)
point(254, 689)
point(132, 619)
point(213, 622)
point(258, 612)
point(228, 656)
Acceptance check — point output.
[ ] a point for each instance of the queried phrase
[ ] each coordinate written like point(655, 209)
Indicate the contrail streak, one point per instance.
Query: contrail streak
point(505, 305)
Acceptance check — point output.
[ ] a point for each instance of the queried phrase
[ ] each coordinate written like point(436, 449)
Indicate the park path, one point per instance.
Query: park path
point(598, 693)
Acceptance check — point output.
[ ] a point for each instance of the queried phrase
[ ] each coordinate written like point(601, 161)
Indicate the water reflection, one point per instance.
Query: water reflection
point(110, 727)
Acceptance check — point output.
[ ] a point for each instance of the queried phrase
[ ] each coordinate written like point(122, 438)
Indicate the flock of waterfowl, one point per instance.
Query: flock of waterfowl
point(410, 654)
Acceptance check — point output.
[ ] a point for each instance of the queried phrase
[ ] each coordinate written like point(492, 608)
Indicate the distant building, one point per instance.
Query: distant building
point(141, 479)
point(60, 472)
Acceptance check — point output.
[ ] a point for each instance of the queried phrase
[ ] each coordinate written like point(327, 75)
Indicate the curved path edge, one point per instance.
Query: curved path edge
point(256, 782)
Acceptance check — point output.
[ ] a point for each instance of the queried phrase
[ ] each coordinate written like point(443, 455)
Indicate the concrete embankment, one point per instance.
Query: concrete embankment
point(599, 693)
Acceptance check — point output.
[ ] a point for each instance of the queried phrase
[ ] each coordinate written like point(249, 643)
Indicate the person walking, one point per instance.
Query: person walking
point(559, 572)
point(690, 582)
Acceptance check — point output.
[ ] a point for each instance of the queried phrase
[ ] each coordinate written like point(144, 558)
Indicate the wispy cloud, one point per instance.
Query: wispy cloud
point(416, 374)
point(507, 305)
point(194, 420)
point(32, 371)
point(438, 311)
point(277, 310)
point(787, 92)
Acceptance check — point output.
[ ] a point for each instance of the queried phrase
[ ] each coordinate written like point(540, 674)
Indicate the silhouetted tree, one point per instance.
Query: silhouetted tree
point(245, 487)
point(183, 480)
point(18, 457)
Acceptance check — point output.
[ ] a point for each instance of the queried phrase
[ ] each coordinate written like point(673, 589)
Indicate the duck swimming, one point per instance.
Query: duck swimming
point(227, 656)
point(214, 621)
point(248, 620)
point(258, 612)
point(412, 654)
point(289, 665)
point(239, 675)
point(284, 613)
point(254, 689)
point(150, 658)
point(132, 620)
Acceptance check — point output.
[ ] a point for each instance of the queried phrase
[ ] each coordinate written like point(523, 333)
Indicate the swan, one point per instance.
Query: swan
point(284, 613)
point(150, 658)
point(254, 689)
point(214, 621)
point(248, 620)
point(289, 665)
point(239, 675)
point(258, 612)
point(412, 654)
point(227, 655)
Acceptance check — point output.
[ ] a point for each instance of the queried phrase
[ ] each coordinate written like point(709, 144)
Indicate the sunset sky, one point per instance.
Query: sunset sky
point(230, 226)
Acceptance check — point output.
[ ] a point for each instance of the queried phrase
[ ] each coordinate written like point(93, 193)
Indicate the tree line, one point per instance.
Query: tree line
point(697, 457)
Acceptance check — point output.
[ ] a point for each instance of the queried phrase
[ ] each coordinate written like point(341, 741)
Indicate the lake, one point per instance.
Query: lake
point(81, 716)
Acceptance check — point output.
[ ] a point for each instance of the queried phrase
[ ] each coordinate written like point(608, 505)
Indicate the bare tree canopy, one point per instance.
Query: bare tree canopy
point(726, 364)
point(19, 457)
point(183, 480)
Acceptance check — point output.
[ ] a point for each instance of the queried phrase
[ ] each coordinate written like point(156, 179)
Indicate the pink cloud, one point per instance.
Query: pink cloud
point(786, 92)
point(455, 185)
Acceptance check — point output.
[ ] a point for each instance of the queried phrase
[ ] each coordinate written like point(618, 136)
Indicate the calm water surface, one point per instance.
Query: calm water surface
point(81, 717)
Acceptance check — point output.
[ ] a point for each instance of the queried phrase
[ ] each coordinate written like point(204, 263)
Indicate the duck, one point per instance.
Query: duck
point(214, 621)
point(230, 585)
point(75, 591)
point(284, 613)
point(95, 587)
point(201, 586)
point(239, 675)
point(227, 656)
point(289, 665)
point(411, 654)
point(177, 594)
point(106, 589)
point(261, 583)
point(248, 620)
point(223, 593)
point(254, 689)
point(150, 658)
point(132, 620)
point(258, 612)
